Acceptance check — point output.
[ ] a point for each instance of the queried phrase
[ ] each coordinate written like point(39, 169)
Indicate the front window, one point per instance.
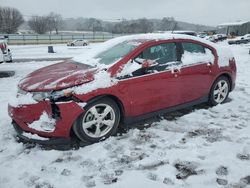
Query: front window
point(164, 54)
point(116, 52)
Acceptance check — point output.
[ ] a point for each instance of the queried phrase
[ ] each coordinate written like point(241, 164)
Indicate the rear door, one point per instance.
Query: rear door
point(196, 72)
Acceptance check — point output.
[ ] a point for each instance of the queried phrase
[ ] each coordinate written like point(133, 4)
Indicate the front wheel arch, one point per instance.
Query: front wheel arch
point(115, 99)
point(75, 128)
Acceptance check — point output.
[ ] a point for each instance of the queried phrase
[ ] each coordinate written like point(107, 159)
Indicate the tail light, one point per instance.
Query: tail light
point(232, 64)
point(3, 47)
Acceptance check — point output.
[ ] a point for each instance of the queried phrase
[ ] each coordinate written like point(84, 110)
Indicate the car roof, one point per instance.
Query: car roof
point(157, 37)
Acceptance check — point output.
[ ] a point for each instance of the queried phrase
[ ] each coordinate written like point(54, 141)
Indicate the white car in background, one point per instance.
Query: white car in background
point(1, 57)
point(5, 54)
point(78, 42)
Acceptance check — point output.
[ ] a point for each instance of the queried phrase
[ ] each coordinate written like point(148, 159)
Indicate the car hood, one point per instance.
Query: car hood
point(58, 76)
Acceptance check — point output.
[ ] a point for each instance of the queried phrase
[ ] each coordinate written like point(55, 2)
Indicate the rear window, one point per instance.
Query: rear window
point(193, 48)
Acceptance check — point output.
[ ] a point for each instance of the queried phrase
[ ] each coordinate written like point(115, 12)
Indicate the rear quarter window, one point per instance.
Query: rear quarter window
point(193, 48)
point(196, 54)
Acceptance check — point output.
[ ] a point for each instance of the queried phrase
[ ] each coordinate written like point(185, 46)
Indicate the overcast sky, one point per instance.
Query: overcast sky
point(208, 12)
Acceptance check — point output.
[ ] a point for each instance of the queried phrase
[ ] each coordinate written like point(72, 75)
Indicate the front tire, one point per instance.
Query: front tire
point(99, 121)
point(219, 91)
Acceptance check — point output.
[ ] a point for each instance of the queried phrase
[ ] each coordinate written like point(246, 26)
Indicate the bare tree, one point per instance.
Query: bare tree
point(145, 26)
point(168, 24)
point(93, 24)
point(39, 24)
point(142, 25)
point(55, 22)
point(10, 19)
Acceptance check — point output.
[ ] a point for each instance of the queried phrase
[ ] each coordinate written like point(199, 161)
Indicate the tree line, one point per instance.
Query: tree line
point(142, 25)
point(11, 19)
point(44, 24)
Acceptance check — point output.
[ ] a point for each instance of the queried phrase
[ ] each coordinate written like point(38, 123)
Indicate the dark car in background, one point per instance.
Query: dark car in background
point(240, 40)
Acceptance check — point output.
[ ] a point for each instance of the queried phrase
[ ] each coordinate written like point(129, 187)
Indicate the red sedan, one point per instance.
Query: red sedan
point(122, 81)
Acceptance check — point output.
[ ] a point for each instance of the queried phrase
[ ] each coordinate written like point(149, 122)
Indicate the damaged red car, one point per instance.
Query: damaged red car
point(117, 83)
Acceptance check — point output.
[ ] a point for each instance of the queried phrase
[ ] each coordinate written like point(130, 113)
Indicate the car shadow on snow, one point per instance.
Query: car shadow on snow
point(171, 116)
point(5, 74)
point(144, 124)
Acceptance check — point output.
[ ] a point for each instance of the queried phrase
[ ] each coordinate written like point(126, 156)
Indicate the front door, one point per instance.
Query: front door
point(157, 87)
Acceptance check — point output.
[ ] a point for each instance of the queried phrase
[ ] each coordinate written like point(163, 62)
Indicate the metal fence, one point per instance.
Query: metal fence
point(57, 39)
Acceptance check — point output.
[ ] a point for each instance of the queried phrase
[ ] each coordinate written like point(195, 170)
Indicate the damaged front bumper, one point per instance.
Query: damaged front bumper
point(34, 138)
point(63, 114)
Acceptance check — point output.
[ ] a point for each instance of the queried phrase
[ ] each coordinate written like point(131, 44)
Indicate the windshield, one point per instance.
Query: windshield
point(116, 52)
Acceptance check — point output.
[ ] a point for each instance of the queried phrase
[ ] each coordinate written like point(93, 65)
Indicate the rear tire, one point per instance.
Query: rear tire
point(99, 121)
point(219, 91)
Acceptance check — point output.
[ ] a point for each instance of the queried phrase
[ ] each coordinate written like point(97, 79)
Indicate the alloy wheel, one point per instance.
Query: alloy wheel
point(98, 120)
point(220, 91)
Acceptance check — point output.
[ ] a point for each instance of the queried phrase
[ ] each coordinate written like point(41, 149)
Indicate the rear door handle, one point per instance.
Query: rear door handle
point(209, 64)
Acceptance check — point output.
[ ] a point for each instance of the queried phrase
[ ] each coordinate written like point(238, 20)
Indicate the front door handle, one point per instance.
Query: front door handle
point(176, 71)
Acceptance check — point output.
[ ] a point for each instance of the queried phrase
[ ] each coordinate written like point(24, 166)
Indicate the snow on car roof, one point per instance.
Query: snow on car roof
point(89, 56)
point(233, 23)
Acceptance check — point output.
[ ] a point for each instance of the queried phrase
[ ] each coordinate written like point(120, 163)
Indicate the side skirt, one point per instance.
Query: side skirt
point(129, 121)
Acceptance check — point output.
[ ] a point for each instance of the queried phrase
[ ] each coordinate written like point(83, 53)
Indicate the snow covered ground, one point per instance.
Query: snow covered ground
point(41, 51)
point(208, 147)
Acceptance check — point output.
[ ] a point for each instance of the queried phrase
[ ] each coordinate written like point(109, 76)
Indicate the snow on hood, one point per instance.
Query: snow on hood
point(102, 79)
point(57, 76)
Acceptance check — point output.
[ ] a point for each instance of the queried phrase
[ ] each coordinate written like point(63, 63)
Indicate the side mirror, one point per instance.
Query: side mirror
point(147, 63)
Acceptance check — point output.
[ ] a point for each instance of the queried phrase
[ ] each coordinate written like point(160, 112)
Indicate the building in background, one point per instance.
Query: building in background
point(235, 28)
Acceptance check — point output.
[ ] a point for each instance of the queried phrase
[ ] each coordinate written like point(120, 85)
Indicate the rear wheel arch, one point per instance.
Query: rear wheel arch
point(228, 76)
point(219, 93)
